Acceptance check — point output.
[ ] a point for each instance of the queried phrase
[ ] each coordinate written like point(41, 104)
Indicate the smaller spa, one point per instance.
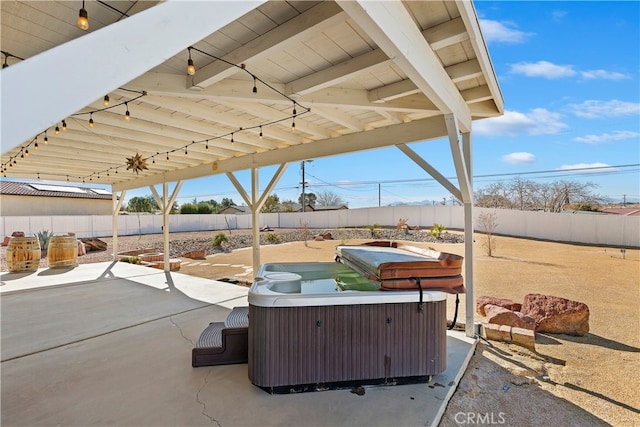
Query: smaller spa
point(322, 324)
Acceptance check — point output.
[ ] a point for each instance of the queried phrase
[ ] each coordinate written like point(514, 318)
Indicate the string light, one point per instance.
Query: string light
point(64, 125)
point(127, 114)
point(191, 69)
point(260, 132)
point(83, 18)
point(91, 124)
point(105, 102)
point(206, 147)
point(232, 142)
point(255, 88)
point(46, 139)
point(57, 130)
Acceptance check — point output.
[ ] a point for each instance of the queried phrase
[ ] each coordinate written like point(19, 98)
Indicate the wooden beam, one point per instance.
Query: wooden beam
point(174, 25)
point(393, 29)
point(317, 19)
point(417, 130)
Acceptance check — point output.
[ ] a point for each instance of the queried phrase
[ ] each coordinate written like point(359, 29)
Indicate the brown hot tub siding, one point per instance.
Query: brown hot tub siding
point(326, 344)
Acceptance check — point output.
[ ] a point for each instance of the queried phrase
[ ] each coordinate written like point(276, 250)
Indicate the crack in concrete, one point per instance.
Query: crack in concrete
point(204, 405)
point(181, 331)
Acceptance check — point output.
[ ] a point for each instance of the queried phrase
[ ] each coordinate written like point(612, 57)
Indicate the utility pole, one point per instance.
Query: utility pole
point(302, 201)
point(379, 199)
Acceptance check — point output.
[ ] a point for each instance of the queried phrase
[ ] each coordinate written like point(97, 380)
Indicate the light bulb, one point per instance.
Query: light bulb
point(64, 125)
point(91, 120)
point(191, 69)
point(105, 102)
point(83, 19)
point(57, 130)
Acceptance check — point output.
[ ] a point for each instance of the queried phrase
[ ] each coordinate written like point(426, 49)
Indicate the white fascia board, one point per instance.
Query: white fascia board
point(68, 77)
point(391, 27)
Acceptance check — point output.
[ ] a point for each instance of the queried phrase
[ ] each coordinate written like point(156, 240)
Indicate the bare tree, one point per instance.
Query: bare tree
point(328, 198)
point(487, 223)
point(523, 194)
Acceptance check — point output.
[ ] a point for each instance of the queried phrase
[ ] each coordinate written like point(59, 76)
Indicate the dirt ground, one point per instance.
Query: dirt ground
point(590, 380)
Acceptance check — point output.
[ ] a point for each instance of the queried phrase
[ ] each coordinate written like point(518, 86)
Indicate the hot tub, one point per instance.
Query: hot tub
point(309, 329)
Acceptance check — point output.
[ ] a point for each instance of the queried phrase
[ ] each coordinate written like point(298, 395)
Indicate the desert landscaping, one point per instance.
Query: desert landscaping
point(567, 380)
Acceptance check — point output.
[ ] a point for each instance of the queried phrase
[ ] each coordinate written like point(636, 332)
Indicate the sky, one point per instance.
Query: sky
point(569, 74)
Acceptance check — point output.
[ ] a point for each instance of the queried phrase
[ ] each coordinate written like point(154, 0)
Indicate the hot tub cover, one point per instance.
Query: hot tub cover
point(398, 266)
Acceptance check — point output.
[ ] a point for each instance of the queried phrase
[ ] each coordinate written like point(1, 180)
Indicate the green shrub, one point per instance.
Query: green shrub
point(219, 239)
point(188, 208)
point(372, 229)
point(272, 238)
point(132, 259)
point(43, 237)
point(437, 230)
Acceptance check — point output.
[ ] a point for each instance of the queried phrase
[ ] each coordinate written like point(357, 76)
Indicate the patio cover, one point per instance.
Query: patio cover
point(276, 82)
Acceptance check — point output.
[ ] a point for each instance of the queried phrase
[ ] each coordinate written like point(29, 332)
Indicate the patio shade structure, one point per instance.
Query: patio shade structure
point(275, 82)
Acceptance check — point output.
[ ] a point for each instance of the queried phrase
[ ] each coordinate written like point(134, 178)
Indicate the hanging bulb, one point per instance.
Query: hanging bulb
point(153, 160)
point(127, 114)
point(255, 89)
point(232, 142)
point(46, 139)
point(21, 156)
point(191, 69)
point(206, 146)
point(36, 146)
point(5, 65)
point(167, 156)
point(38, 175)
point(26, 152)
point(293, 125)
point(83, 18)
point(186, 153)
point(294, 109)
point(105, 102)
point(260, 133)
point(64, 125)
point(91, 120)
point(57, 131)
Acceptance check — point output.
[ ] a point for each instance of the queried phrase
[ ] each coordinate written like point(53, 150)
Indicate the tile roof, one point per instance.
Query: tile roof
point(30, 189)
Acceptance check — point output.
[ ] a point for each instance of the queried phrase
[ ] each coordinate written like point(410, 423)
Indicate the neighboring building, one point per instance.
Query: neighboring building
point(330, 208)
point(236, 210)
point(34, 199)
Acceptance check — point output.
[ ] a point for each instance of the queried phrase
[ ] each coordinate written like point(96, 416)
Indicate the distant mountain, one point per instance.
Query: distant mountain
point(420, 203)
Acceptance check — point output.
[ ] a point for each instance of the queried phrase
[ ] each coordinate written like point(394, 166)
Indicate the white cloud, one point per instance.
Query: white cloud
point(537, 122)
point(617, 135)
point(518, 158)
point(589, 167)
point(603, 75)
point(544, 69)
point(592, 109)
point(495, 31)
point(558, 15)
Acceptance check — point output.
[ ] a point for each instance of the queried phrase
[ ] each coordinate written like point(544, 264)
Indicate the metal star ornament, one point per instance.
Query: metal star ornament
point(136, 163)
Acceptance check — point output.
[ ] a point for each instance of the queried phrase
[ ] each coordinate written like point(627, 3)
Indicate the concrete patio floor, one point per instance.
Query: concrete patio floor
point(110, 344)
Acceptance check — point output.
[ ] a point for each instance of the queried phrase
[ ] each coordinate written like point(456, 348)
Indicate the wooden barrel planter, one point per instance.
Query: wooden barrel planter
point(23, 254)
point(63, 252)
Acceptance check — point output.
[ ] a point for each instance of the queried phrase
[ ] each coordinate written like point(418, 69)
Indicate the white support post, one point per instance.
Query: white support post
point(165, 203)
point(468, 239)
point(255, 203)
point(116, 204)
point(255, 226)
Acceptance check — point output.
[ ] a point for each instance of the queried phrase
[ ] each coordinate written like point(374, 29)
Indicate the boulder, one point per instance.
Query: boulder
point(17, 234)
point(503, 316)
point(318, 238)
point(557, 315)
point(501, 302)
point(327, 236)
point(195, 254)
point(81, 248)
point(93, 244)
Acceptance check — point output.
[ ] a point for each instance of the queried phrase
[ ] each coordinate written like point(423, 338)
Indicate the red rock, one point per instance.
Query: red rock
point(195, 254)
point(501, 302)
point(17, 234)
point(327, 236)
point(557, 315)
point(5, 242)
point(503, 316)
